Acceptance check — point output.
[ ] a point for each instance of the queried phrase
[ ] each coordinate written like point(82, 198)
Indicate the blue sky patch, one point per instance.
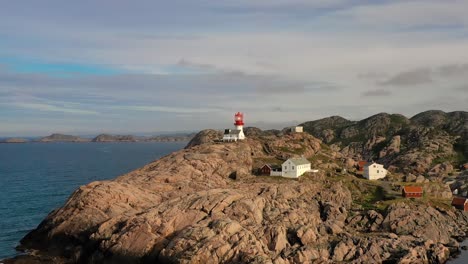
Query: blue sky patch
point(56, 69)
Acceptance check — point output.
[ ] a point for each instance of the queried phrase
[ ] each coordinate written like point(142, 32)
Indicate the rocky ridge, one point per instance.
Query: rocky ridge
point(203, 205)
point(417, 145)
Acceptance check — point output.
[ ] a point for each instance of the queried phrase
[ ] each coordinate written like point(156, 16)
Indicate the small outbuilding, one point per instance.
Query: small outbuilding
point(464, 166)
point(270, 170)
point(412, 191)
point(296, 129)
point(360, 165)
point(460, 203)
point(265, 169)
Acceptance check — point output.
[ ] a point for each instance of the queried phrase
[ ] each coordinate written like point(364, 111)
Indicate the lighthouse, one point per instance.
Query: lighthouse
point(238, 133)
point(239, 121)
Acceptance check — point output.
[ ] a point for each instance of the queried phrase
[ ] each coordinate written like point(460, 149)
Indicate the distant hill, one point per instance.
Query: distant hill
point(62, 138)
point(14, 140)
point(131, 138)
point(114, 138)
point(415, 144)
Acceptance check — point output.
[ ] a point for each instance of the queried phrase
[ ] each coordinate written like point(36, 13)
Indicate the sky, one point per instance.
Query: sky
point(146, 66)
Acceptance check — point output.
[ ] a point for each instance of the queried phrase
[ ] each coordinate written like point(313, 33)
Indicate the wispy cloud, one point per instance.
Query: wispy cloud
point(165, 109)
point(50, 108)
point(453, 70)
point(410, 78)
point(376, 93)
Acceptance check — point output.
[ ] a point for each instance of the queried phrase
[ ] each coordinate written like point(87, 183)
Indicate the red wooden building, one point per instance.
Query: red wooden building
point(412, 191)
point(464, 166)
point(265, 170)
point(460, 203)
point(361, 164)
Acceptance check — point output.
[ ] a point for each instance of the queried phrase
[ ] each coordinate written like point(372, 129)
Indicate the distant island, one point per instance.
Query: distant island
point(14, 140)
point(62, 138)
point(56, 137)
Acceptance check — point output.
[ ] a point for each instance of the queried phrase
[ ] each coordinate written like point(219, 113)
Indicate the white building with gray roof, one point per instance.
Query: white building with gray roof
point(295, 167)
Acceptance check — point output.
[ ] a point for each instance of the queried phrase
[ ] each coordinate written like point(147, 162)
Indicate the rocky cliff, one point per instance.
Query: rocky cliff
point(203, 205)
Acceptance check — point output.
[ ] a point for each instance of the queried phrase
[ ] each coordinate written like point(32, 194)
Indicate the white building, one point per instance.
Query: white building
point(374, 171)
point(294, 129)
point(238, 133)
point(233, 135)
point(297, 129)
point(295, 167)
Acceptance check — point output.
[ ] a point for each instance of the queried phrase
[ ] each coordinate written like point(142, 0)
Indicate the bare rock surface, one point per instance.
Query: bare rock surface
point(203, 205)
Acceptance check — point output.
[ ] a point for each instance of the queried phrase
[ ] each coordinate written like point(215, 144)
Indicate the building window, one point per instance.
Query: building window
point(292, 167)
point(285, 167)
point(378, 171)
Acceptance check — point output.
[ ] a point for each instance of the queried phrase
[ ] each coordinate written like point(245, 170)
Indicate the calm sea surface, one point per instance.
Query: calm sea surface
point(36, 178)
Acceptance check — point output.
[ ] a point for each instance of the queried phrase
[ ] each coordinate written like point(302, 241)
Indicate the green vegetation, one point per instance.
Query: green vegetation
point(457, 159)
point(320, 156)
point(360, 138)
point(268, 160)
point(379, 147)
point(398, 120)
point(297, 151)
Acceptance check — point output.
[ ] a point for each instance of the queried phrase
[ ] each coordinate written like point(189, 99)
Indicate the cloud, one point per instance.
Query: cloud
point(372, 75)
point(50, 108)
point(410, 78)
point(376, 93)
point(453, 70)
point(165, 109)
point(463, 88)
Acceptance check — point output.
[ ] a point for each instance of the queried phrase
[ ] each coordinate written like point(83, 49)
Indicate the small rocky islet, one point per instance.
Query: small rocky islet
point(204, 204)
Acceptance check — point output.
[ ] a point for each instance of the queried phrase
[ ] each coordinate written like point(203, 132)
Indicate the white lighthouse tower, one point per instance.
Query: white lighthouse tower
point(238, 133)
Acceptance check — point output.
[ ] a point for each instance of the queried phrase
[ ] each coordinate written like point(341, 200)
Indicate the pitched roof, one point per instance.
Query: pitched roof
point(413, 189)
point(299, 161)
point(458, 201)
point(368, 164)
point(362, 163)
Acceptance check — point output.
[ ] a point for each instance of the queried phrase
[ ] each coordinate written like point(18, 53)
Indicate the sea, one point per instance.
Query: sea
point(36, 178)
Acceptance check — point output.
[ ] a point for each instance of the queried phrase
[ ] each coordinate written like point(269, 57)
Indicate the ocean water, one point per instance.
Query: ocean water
point(36, 178)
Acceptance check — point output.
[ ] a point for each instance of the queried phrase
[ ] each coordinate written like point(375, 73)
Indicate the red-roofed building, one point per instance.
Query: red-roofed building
point(460, 203)
point(412, 191)
point(265, 170)
point(464, 166)
point(360, 165)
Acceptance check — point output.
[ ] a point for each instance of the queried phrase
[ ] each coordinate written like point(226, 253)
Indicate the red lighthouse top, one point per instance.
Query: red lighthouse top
point(239, 119)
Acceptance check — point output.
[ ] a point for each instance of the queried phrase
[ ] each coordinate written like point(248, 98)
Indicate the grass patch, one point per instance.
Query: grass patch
point(319, 156)
point(297, 151)
point(268, 160)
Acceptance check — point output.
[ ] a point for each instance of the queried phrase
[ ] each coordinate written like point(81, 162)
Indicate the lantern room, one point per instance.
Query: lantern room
point(239, 119)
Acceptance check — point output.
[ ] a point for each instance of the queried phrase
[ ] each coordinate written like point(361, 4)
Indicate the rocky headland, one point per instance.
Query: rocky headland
point(203, 204)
